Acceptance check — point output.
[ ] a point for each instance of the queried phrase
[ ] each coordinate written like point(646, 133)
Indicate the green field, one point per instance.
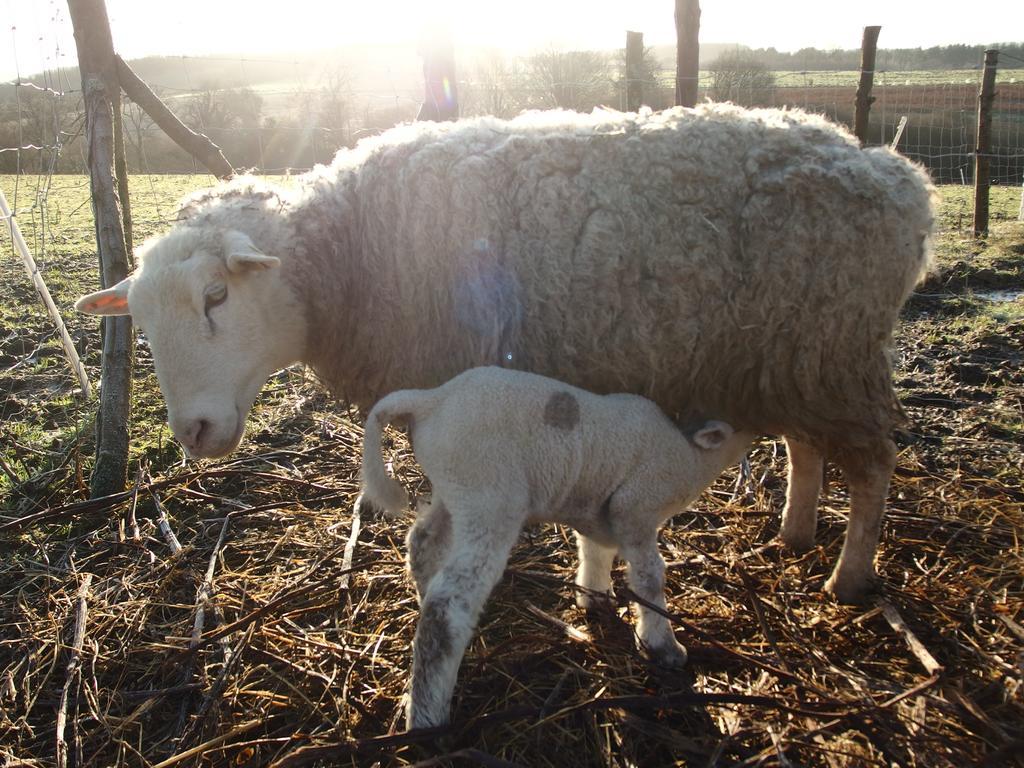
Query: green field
point(851, 78)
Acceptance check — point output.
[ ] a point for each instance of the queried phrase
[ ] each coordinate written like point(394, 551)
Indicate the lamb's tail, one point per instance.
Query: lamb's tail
point(380, 490)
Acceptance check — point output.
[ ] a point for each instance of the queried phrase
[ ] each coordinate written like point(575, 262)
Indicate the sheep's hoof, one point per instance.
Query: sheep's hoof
point(849, 590)
point(671, 655)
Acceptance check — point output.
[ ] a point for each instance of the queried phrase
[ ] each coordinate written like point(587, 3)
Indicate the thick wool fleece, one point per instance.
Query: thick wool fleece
point(748, 265)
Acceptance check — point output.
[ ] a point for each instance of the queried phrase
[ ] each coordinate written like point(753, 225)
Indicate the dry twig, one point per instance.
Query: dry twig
point(73, 670)
point(916, 646)
point(165, 526)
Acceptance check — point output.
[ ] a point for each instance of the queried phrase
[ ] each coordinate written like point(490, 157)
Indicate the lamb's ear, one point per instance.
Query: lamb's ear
point(242, 255)
point(110, 301)
point(712, 435)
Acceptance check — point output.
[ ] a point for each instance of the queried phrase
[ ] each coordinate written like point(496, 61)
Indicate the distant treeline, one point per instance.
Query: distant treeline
point(936, 57)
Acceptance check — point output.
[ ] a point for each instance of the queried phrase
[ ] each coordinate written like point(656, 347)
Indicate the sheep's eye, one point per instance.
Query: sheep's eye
point(215, 295)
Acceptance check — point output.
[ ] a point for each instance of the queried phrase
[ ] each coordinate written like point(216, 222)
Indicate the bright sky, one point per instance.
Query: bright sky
point(39, 31)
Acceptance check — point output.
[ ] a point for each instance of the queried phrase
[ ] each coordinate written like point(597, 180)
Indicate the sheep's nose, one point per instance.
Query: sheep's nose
point(192, 436)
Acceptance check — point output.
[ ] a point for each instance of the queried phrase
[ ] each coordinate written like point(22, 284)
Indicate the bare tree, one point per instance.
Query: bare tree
point(578, 80)
point(137, 123)
point(334, 109)
point(213, 109)
point(492, 89)
point(231, 118)
point(37, 118)
point(738, 76)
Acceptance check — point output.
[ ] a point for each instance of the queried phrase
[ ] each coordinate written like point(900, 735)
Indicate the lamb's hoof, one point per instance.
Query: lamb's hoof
point(850, 591)
point(799, 542)
point(593, 601)
point(672, 655)
point(415, 719)
point(366, 508)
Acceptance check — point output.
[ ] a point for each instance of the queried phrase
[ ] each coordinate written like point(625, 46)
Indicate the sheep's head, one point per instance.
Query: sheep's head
point(219, 320)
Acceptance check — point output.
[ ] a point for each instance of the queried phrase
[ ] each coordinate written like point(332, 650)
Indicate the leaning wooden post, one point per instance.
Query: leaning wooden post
point(864, 100)
point(634, 67)
point(196, 144)
point(44, 293)
point(984, 146)
point(102, 96)
point(687, 52)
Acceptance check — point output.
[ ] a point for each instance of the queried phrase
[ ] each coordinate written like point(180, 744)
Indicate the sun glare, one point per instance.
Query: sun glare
point(41, 36)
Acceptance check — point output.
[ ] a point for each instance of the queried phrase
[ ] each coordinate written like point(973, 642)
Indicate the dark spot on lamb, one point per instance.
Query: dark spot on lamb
point(562, 411)
point(433, 635)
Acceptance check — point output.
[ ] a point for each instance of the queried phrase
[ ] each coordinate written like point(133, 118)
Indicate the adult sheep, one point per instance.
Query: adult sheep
point(745, 265)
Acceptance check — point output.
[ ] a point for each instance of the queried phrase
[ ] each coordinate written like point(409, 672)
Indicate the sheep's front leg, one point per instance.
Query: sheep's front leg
point(595, 570)
point(646, 574)
point(800, 516)
point(428, 543)
point(451, 606)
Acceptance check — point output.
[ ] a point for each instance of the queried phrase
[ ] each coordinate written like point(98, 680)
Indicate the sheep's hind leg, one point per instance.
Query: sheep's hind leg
point(800, 516)
point(868, 476)
point(646, 574)
point(595, 570)
point(481, 541)
point(428, 543)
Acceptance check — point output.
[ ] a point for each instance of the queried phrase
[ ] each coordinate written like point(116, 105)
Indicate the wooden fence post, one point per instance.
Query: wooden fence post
point(687, 52)
point(981, 153)
point(634, 66)
point(864, 100)
point(102, 96)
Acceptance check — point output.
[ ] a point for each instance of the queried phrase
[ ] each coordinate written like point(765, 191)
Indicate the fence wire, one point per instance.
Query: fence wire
point(276, 116)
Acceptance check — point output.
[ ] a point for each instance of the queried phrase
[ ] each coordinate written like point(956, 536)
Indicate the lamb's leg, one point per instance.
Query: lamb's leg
point(595, 569)
point(427, 543)
point(646, 574)
point(452, 604)
point(868, 477)
point(800, 516)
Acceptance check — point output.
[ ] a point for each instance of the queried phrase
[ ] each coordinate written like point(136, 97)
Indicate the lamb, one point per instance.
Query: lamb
point(748, 264)
point(504, 449)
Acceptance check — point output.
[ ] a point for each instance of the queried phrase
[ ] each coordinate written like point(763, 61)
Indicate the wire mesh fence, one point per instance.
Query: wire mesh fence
point(276, 116)
point(941, 110)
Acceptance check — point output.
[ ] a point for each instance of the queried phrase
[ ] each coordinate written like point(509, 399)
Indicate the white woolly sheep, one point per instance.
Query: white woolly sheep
point(503, 449)
point(748, 264)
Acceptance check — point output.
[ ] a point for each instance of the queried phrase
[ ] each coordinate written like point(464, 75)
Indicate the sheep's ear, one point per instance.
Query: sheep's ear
point(243, 256)
point(712, 435)
point(111, 301)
